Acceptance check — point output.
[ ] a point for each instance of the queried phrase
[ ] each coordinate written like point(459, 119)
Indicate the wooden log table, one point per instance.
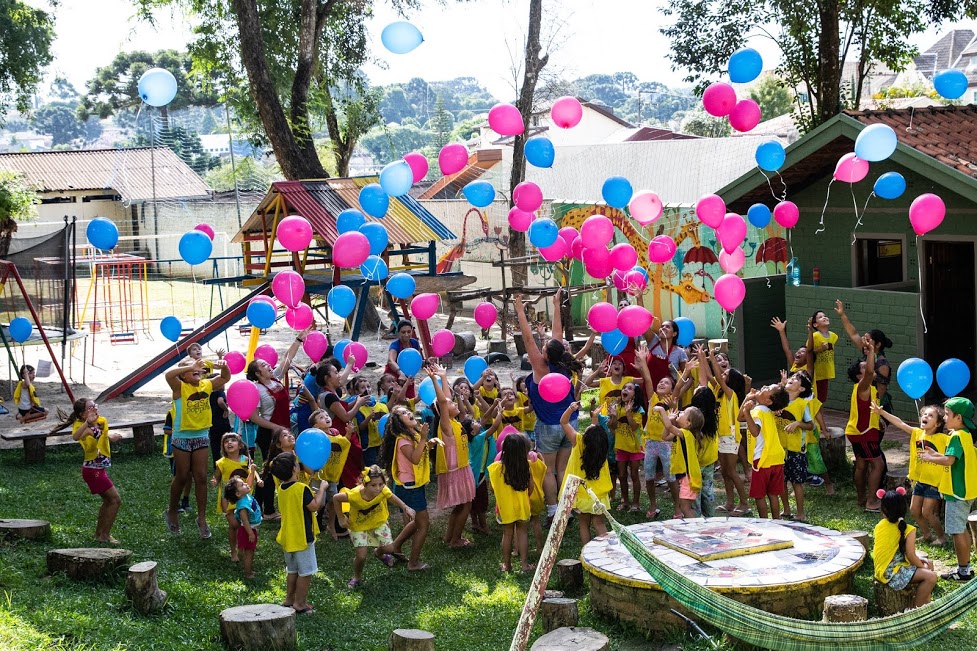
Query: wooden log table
point(35, 443)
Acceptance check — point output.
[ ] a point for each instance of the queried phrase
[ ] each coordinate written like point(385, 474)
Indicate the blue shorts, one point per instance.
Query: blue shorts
point(412, 496)
point(550, 438)
point(926, 491)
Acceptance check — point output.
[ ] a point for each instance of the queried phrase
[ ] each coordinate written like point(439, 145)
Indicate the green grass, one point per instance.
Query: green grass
point(464, 600)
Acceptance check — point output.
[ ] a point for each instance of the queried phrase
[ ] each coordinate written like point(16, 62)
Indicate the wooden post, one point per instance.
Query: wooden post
point(895, 479)
point(559, 613)
point(547, 558)
point(496, 346)
point(144, 439)
point(411, 639)
point(35, 449)
point(142, 589)
point(845, 608)
point(861, 537)
point(30, 529)
point(259, 627)
point(891, 602)
point(578, 639)
point(569, 574)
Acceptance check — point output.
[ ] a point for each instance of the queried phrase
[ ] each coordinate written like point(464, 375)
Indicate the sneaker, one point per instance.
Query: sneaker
point(814, 480)
point(184, 505)
point(955, 575)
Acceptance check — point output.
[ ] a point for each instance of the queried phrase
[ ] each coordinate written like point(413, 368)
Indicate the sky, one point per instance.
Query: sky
point(477, 39)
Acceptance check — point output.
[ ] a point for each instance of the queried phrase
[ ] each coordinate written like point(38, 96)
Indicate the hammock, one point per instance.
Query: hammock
point(907, 630)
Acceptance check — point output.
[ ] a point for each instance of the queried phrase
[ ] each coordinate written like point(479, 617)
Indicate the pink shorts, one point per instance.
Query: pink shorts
point(685, 491)
point(97, 479)
point(242, 539)
point(624, 457)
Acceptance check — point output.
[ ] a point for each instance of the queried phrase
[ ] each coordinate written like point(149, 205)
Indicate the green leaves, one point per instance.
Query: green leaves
point(25, 50)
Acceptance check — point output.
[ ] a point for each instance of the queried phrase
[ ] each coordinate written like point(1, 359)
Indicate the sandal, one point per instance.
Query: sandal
point(399, 556)
point(722, 508)
point(354, 584)
point(173, 528)
point(420, 568)
point(635, 509)
point(387, 560)
point(204, 530)
point(653, 515)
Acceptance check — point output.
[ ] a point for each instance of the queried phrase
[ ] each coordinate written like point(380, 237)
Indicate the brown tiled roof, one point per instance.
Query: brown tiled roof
point(947, 133)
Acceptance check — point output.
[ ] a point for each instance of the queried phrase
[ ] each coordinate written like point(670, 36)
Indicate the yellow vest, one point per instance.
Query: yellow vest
point(422, 470)
point(814, 406)
point(291, 535)
point(685, 460)
point(824, 362)
point(728, 411)
point(601, 486)
point(628, 438)
point(537, 503)
point(339, 450)
point(510, 505)
point(367, 515)
point(193, 412)
point(851, 429)
point(91, 446)
point(461, 448)
point(19, 389)
point(772, 453)
point(708, 451)
point(886, 547)
point(373, 426)
point(654, 425)
point(926, 471)
point(528, 416)
point(793, 441)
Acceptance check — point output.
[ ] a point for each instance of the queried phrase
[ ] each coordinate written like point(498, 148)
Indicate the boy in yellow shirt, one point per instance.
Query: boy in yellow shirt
point(763, 445)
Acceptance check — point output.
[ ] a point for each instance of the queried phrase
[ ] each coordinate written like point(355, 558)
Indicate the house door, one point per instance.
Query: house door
point(949, 299)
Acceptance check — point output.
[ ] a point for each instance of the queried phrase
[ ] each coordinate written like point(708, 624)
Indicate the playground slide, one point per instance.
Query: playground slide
point(159, 364)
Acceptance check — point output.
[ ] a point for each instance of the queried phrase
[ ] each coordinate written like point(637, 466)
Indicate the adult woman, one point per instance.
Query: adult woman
point(883, 370)
point(667, 357)
point(191, 436)
point(405, 339)
point(551, 442)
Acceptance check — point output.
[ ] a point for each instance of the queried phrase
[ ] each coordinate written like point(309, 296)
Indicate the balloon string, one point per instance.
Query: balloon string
point(783, 183)
point(827, 196)
point(919, 268)
point(790, 247)
point(864, 208)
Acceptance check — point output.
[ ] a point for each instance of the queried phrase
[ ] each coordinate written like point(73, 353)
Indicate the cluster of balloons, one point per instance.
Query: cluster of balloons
point(630, 321)
point(719, 98)
point(360, 244)
point(915, 377)
point(730, 228)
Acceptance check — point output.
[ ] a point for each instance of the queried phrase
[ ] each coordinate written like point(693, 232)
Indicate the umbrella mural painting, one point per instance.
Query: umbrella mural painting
point(773, 250)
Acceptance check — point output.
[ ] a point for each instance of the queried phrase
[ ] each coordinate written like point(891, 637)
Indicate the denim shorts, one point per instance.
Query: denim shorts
point(550, 438)
point(926, 491)
point(302, 563)
point(412, 496)
point(655, 450)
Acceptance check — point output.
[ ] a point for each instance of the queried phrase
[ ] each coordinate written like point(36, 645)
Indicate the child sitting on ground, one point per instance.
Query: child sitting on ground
point(894, 551)
point(29, 407)
point(247, 515)
point(512, 484)
point(92, 432)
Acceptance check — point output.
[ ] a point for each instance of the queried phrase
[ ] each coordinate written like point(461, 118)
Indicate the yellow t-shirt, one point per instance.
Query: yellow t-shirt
point(512, 417)
point(510, 505)
point(97, 448)
point(367, 515)
point(373, 426)
point(609, 390)
point(192, 413)
point(685, 460)
point(227, 466)
point(653, 424)
point(627, 438)
point(600, 486)
point(771, 452)
point(528, 415)
point(339, 450)
point(489, 395)
point(537, 503)
point(824, 362)
point(926, 471)
point(886, 547)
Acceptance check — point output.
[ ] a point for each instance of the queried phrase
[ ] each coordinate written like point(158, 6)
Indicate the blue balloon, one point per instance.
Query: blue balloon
point(410, 360)
point(313, 447)
point(382, 424)
point(474, 366)
point(915, 377)
point(953, 376)
point(617, 191)
point(613, 342)
point(171, 327)
point(890, 185)
point(479, 193)
point(374, 200)
point(540, 152)
point(261, 315)
point(349, 220)
point(341, 301)
point(951, 84)
point(374, 268)
point(543, 232)
point(195, 247)
point(641, 270)
point(157, 87)
point(102, 233)
point(770, 155)
point(338, 348)
point(759, 215)
point(396, 178)
point(876, 142)
point(745, 65)
point(426, 392)
point(21, 329)
point(401, 285)
point(377, 236)
point(401, 37)
point(686, 331)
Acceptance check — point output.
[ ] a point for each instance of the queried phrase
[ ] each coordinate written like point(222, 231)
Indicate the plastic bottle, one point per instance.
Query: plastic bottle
point(795, 275)
point(816, 277)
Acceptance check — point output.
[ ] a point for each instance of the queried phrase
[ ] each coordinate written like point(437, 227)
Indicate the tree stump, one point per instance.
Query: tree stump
point(259, 627)
point(891, 602)
point(833, 449)
point(30, 529)
point(87, 563)
point(897, 478)
point(559, 613)
point(496, 346)
point(845, 608)
point(861, 537)
point(572, 639)
point(35, 449)
point(142, 589)
point(144, 439)
point(464, 343)
point(411, 639)
point(569, 574)
point(552, 594)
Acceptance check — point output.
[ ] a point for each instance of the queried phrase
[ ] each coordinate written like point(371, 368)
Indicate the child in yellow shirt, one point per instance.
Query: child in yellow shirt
point(512, 483)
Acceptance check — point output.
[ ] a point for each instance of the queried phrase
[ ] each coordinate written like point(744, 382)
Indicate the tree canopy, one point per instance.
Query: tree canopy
point(25, 50)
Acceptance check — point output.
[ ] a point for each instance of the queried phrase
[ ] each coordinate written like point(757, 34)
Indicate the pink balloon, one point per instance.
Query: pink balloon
point(577, 249)
point(733, 261)
point(618, 279)
point(452, 158)
point(527, 196)
point(423, 306)
point(442, 342)
point(729, 291)
point(288, 287)
point(786, 214)
point(635, 283)
point(711, 210)
point(299, 317)
point(485, 314)
point(242, 398)
point(731, 232)
point(519, 220)
point(505, 120)
point(568, 234)
point(554, 251)
point(267, 353)
point(418, 165)
point(597, 262)
point(206, 229)
point(358, 352)
point(506, 431)
point(623, 256)
point(350, 250)
point(719, 99)
point(294, 233)
point(851, 168)
point(634, 320)
point(661, 249)
point(926, 213)
point(602, 317)
point(745, 115)
point(596, 230)
point(645, 207)
point(554, 387)
point(315, 345)
point(267, 299)
point(566, 112)
point(235, 362)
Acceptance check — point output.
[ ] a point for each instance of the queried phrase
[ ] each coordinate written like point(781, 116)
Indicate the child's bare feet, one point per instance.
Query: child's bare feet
point(528, 567)
point(234, 558)
point(505, 567)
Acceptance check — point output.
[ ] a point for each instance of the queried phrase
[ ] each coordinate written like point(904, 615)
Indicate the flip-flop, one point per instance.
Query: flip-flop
point(875, 510)
point(635, 509)
point(173, 528)
point(420, 568)
point(653, 515)
point(304, 611)
point(353, 584)
point(204, 531)
point(387, 560)
point(722, 508)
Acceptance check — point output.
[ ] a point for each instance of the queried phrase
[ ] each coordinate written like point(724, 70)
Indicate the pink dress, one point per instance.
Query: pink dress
point(457, 485)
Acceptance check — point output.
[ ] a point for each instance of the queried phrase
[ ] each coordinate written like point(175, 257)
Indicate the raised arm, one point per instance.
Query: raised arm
point(868, 376)
point(593, 380)
point(745, 415)
point(558, 314)
point(218, 383)
point(892, 418)
point(444, 422)
point(849, 327)
point(536, 360)
point(781, 328)
point(669, 432)
point(289, 355)
point(568, 430)
point(583, 352)
point(641, 363)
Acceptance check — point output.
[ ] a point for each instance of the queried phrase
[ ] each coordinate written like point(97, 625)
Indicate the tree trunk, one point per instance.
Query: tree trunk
point(829, 60)
point(410, 639)
point(559, 613)
point(142, 589)
point(295, 151)
point(87, 563)
point(260, 627)
point(845, 608)
point(569, 574)
point(534, 64)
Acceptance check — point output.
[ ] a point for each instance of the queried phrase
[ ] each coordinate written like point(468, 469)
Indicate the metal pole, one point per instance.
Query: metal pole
point(230, 143)
point(152, 166)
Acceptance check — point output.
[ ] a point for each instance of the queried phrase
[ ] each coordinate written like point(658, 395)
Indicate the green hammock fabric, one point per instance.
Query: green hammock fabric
point(903, 631)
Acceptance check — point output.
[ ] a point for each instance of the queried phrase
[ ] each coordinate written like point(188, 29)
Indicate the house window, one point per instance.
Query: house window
point(879, 261)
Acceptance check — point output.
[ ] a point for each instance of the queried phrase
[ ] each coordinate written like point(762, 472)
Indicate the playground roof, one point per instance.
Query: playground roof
point(321, 201)
point(129, 172)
